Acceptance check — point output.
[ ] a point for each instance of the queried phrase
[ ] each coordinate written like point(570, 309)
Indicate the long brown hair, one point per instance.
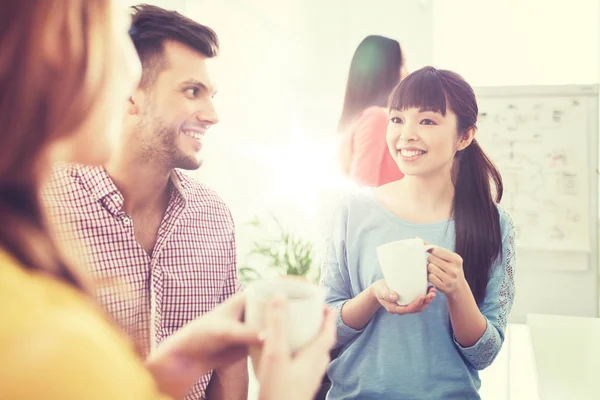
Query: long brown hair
point(374, 72)
point(476, 218)
point(52, 57)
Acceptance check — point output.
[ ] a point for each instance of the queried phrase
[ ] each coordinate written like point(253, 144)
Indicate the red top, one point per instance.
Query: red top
point(372, 165)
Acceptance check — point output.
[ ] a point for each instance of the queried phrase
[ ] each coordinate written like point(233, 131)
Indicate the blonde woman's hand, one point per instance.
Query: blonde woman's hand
point(214, 340)
point(297, 377)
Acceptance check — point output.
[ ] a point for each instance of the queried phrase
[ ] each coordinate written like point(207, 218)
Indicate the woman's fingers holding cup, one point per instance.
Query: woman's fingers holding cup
point(431, 293)
point(383, 293)
point(436, 281)
point(391, 306)
point(235, 305)
point(328, 335)
point(436, 271)
point(276, 348)
point(410, 308)
point(310, 363)
point(325, 340)
point(389, 299)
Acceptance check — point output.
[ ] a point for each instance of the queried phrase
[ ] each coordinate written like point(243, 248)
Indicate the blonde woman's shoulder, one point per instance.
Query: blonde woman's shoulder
point(57, 344)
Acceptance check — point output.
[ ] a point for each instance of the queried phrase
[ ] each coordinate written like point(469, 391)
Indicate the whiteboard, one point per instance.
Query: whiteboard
point(544, 141)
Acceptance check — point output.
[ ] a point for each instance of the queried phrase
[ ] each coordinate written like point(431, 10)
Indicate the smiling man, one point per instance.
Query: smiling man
point(161, 244)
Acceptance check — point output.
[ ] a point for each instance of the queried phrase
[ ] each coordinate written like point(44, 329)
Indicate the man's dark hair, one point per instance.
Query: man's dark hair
point(151, 26)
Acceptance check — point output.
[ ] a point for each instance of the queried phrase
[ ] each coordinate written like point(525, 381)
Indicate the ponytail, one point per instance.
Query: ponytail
point(476, 218)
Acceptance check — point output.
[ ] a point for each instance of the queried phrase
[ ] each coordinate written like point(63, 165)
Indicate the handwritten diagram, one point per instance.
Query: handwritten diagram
point(540, 144)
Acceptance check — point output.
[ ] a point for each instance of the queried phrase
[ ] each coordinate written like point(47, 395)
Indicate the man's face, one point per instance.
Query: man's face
point(176, 110)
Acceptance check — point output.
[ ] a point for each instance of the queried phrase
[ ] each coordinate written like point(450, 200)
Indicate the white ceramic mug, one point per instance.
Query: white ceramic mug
point(404, 267)
point(305, 304)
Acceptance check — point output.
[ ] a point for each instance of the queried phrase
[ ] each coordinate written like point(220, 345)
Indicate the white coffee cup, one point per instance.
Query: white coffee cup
point(305, 304)
point(404, 267)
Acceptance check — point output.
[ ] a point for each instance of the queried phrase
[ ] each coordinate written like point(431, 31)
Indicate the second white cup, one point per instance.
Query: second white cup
point(305, 304)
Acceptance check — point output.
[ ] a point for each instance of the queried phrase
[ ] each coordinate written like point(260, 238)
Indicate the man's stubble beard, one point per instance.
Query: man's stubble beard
point(171, 154)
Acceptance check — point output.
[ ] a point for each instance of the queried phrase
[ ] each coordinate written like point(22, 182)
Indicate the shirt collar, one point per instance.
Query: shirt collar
point(97, 181)
point(179, 183)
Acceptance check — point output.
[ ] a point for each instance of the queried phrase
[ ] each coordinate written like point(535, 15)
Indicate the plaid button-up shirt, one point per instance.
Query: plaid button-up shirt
point(192, 267)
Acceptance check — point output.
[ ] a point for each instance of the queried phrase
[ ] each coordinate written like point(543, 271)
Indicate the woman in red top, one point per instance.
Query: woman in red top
point(376, 67)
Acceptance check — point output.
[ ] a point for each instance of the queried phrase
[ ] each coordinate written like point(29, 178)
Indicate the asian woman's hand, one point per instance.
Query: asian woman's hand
point(388, 299)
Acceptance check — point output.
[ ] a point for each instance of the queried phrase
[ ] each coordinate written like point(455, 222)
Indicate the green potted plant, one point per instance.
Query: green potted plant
point(280, 251)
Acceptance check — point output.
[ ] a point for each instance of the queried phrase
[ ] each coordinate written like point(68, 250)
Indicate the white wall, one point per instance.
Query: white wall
point(518, 42)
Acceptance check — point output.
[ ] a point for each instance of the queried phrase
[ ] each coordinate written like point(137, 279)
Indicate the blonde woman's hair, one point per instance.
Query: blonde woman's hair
point(53, 58)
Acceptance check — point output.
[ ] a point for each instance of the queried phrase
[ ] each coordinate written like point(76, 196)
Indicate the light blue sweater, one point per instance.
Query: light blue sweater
point(410, 356)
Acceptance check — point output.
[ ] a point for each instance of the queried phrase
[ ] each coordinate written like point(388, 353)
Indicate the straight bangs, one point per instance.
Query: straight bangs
point(423, 89)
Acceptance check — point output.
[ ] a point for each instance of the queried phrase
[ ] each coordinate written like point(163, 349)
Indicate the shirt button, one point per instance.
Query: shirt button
point(115, 198)
point(126, 221)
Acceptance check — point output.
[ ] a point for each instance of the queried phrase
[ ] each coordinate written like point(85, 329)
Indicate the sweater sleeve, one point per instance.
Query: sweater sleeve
point(498, 301)
point(335, 277)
